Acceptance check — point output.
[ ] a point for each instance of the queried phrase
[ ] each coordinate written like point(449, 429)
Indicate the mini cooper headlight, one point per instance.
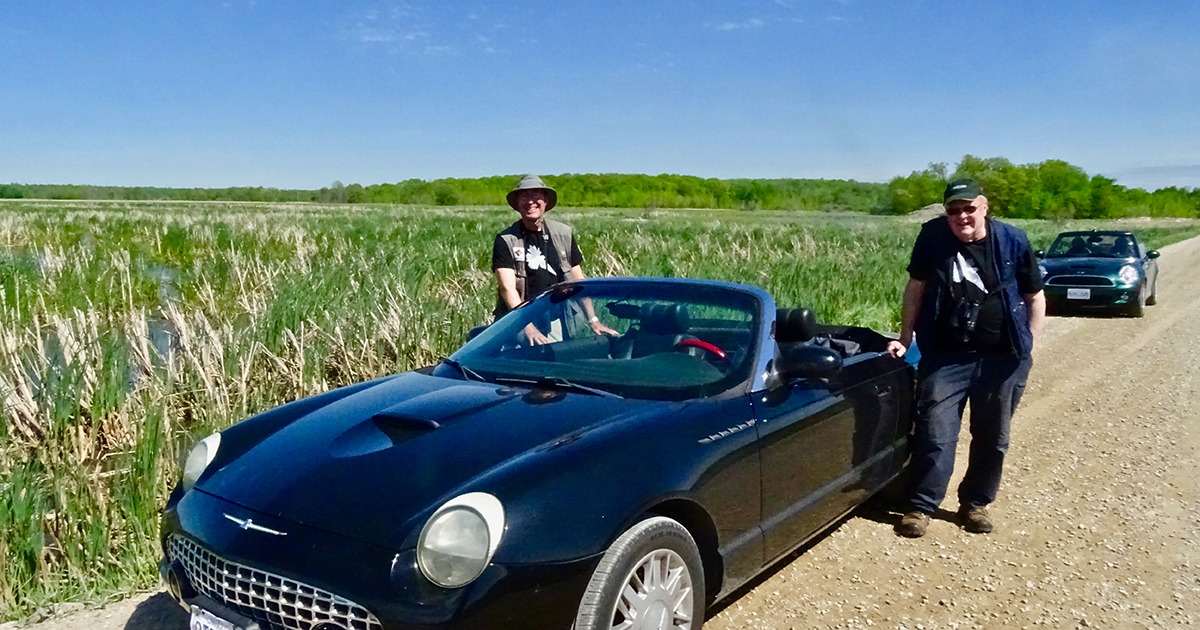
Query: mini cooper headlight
point(1129, 274)
point(199, 458)
point(458, 541)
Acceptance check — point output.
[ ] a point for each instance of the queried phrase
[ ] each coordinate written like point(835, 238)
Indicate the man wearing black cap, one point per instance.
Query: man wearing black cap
point(974, 301)
point(534, 254)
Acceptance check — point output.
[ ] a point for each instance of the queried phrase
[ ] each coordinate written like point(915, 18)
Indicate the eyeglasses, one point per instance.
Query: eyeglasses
point(526, 196)
point(957, 210)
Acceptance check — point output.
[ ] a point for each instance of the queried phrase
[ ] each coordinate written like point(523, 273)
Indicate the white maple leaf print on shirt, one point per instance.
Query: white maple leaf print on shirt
point(535, 259)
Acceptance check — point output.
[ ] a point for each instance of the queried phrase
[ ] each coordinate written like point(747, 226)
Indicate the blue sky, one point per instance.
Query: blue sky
point(300, 94)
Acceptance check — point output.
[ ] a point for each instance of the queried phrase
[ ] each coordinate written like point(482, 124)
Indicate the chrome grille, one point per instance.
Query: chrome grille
point(1080, 281)
point(277, 602)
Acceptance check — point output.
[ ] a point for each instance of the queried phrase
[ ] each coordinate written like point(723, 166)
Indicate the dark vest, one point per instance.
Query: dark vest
point(1009, 243)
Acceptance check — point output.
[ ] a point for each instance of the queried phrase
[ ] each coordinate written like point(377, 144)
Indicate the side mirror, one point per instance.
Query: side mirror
point(1152, 253)
point(801, 360)
point(1039, 253)
point(474, 332)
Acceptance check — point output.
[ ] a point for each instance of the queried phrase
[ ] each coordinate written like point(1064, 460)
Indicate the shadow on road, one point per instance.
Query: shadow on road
point(159, 612)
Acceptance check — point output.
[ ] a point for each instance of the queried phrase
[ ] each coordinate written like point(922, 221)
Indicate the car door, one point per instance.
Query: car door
point(823, 446)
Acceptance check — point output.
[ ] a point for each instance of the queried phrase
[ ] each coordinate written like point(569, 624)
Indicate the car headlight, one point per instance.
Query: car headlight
point(458, 541)
point(199, 458)
point(1129, 274)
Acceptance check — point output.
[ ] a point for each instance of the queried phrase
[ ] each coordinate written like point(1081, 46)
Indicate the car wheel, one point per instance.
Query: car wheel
point(651, 577)
point(1138, 308)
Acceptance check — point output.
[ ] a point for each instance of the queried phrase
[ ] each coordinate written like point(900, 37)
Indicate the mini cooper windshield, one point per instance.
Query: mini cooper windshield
point(671, 343)
point(1093, 245)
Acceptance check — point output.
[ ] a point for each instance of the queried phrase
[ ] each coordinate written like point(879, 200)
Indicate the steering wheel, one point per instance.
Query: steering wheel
point(703, 345)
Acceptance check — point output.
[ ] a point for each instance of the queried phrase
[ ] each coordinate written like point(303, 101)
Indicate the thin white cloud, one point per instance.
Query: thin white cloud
point(743, 25)
point(441, 51)
point(763, 14)
point(413, 28)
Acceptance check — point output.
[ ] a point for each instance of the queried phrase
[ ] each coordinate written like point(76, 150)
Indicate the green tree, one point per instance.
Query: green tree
point(917, 190)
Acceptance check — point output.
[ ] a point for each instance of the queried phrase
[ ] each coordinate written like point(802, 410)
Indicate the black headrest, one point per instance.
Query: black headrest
point(665, 319)
point(794, 324)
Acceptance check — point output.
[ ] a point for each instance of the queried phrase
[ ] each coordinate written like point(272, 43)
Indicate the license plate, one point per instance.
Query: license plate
point(1079, 294)
point(204, 620)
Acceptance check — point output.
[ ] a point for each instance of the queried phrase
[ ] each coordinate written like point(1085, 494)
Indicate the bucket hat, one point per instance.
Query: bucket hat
point(533, 182)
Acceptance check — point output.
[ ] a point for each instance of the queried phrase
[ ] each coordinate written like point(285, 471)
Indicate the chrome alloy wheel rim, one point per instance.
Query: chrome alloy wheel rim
point(657, 594)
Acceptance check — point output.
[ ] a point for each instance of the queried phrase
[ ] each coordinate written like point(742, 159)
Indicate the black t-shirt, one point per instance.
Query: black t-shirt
point(976, 267)
point(541, 260)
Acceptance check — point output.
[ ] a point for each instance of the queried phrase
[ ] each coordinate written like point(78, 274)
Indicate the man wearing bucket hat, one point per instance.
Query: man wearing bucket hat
point(534, 254)
point(974, 301)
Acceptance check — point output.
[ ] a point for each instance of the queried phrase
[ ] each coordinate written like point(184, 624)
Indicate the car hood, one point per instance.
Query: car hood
point(1085, 265)
point(364, 465)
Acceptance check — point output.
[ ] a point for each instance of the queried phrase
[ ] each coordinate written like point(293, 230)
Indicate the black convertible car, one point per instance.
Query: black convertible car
point(1100, 270)
point(593, 482)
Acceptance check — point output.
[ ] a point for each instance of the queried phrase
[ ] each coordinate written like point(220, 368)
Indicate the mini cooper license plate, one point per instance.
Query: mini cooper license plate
point(204, 620)
point(1079, 294)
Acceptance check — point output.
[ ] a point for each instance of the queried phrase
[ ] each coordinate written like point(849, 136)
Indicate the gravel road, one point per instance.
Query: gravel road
point(1096, 523)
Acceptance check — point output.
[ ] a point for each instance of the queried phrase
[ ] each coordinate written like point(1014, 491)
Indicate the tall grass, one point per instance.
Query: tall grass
point(127, 331)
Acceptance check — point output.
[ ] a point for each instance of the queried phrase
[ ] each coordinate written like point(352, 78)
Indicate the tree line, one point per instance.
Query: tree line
point(1052, 189)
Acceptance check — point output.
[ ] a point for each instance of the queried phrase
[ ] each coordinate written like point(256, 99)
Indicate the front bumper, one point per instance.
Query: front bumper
point(307, 577)
point(1068, 297)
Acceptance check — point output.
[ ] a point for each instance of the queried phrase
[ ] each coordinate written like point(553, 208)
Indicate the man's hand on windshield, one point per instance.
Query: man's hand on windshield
point(599, 328)
point(535, 336)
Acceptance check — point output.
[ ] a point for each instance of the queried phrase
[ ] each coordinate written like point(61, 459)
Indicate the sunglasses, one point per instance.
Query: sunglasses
point(957, 210)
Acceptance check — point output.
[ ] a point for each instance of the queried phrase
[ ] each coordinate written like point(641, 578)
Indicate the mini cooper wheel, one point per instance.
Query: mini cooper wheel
point(1138, 308)
point(651, 577)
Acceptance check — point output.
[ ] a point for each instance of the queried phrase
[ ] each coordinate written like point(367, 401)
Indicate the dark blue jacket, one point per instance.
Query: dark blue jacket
point(1009, 245)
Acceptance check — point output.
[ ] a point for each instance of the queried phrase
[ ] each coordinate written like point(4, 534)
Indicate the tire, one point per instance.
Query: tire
point(651, 577)
point(1138, 308)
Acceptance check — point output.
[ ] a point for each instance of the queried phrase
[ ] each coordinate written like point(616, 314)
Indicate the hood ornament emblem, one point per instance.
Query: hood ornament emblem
point(249, 524)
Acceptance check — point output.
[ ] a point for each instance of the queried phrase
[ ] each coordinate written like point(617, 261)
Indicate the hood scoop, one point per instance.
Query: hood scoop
point(395, 417)
point(380, 432)
point(411, 418)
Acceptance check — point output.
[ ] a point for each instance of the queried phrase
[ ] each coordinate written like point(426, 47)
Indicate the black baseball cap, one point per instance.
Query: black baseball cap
point(962, 189)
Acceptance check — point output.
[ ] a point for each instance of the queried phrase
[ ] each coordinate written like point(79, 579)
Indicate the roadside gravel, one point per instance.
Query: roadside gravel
point(1095, 526)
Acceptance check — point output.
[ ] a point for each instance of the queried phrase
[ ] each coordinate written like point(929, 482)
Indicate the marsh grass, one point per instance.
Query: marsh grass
point(129, 330)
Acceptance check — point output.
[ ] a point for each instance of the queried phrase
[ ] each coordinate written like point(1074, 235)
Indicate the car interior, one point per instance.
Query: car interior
point(799, 326)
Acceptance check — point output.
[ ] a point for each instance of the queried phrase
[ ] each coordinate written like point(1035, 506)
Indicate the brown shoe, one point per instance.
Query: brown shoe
point(975, 519)
point(913, 525)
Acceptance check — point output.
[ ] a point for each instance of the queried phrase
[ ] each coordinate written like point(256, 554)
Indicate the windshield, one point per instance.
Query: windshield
point(1092, 245)
point(671, 341)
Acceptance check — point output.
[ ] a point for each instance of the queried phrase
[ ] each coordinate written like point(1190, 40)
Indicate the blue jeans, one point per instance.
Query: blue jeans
point(993, 384)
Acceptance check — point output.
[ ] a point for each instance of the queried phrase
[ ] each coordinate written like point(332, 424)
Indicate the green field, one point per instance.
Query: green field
point(128, 330)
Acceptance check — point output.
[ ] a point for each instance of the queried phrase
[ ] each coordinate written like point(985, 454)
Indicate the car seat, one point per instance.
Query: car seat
point(1079, 247)
point(660, 329)
point(1122, 248)
point(794, 325)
